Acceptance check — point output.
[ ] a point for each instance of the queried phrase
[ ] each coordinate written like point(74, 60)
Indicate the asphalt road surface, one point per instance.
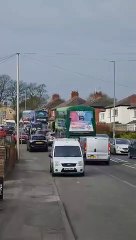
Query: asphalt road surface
point(102, 205)
point(99, 206)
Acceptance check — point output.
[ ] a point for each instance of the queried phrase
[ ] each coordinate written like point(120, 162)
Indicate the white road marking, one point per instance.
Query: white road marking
point(121, 180)
point(121, 160)
point(129, 166)
point(130, 184)
point(114, 161)
point(126, 163)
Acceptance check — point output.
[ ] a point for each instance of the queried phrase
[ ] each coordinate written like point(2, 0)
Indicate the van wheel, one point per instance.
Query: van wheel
point(107, 162)
point(114, 151)
point(50, 168)
point(129, 155)
point(52, 171)
point(30, 149)
point(82, 174)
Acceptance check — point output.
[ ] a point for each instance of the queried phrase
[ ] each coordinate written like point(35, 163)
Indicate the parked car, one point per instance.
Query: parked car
point(119, 146)
point(37, 142)
point(66, 157)
point(50, 137)
point(23, 137)
point(2, 132)
point(9, 129)
point(132, 149)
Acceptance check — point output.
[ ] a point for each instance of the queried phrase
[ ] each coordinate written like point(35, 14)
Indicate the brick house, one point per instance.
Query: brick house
point(54, 101)
point(98, 101)
point(73, 101)
point(125, 111)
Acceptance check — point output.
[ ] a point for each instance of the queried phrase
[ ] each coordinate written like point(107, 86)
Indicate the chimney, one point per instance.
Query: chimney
point(74, 94)
point(55, 97)
point(97, 95)
point(133, 99)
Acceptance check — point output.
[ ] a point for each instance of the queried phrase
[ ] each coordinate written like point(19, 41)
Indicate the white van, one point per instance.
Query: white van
point(97, 149)
point(66, 157)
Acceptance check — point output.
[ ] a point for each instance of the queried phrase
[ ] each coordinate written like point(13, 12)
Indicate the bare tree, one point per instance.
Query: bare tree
point(5, 82)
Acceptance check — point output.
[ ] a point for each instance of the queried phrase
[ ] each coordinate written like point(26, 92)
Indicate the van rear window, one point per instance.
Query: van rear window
point(67, 151)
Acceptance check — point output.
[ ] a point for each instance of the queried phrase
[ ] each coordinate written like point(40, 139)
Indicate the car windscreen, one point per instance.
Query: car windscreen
point(102, 135)
point(122, 141)
point(67, 151)
point(36, 125)
point(40, 132)
point(10, 124)
point(38, 137)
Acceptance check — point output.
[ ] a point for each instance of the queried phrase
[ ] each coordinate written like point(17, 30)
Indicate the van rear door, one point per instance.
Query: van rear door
point(97, 148)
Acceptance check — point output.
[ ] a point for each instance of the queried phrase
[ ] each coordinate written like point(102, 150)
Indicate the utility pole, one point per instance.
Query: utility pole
point(25, 99)
point(18, 147)
point(114, 97)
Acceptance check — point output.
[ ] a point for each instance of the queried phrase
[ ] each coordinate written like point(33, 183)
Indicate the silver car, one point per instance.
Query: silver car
point(119, 146)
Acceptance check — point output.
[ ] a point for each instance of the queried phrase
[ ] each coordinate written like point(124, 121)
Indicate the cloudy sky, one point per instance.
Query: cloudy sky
point(73, 42)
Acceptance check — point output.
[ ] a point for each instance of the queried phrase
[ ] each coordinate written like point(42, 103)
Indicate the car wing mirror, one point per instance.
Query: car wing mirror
point(50, 155)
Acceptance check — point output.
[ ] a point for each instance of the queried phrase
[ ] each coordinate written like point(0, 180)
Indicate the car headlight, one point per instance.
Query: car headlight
point(80, 163)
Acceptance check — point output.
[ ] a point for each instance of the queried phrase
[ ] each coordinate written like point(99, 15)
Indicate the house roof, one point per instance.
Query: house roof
point(132, 122)
point(72, 102)
point(132, 106)
point(128, 101)
point(53, 103)
point(98, 103)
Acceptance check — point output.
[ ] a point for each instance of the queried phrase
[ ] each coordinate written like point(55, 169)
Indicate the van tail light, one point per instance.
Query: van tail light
point(109, 147)
point(85, 147)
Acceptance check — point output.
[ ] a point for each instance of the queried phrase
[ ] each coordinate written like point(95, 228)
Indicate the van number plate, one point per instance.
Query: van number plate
point(92, 156)
point(68, 169)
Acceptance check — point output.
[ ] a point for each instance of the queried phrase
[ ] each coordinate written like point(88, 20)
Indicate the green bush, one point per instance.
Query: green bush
point(128, 135)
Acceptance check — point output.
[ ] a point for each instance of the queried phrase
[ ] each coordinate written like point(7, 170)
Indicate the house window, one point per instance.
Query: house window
point(134, 113)
point(116, 112)
point(102, 116)
point(109, 113)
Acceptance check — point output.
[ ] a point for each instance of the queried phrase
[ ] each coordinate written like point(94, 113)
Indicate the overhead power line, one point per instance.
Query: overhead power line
point(82, 75)
point(6, 58)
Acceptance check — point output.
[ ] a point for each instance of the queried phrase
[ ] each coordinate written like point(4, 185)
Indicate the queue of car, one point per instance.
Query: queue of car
point(70, 155)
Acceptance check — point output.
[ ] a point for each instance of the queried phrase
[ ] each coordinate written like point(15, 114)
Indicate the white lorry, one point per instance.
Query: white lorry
point(97, 149)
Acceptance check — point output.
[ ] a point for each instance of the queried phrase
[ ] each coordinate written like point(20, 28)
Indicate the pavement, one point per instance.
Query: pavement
point(32, 209)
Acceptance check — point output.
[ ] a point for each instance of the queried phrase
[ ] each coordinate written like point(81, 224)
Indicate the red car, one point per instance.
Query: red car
point(23, 137)
point(3, 133)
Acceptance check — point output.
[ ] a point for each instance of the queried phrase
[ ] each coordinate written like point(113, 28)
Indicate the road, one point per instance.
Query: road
point(99, 206)
point(102, 205)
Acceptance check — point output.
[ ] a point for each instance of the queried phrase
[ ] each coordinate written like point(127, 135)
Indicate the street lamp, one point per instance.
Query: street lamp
point(18, 147)
point(25, 98)
point(114, 90)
